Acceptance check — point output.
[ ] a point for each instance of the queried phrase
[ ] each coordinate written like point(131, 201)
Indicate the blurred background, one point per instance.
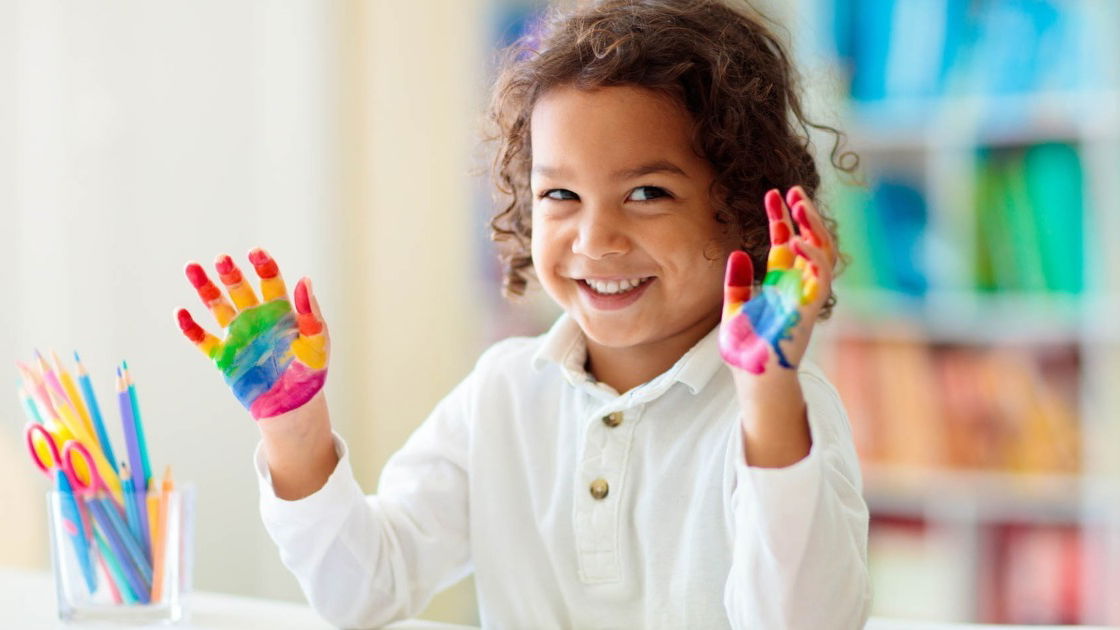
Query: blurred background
point(976, 343)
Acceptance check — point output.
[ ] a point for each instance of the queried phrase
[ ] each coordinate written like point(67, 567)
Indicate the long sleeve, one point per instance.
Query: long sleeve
point(800, 532)
point(364, 561)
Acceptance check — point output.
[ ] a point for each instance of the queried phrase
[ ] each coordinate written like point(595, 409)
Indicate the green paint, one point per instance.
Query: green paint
point(247, 326)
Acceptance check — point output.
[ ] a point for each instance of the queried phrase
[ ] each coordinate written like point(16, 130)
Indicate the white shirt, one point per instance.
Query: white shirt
point(497, 481)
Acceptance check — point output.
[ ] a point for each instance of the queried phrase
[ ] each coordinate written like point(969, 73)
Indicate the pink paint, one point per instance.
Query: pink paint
point(296, 386)
point(740, 346)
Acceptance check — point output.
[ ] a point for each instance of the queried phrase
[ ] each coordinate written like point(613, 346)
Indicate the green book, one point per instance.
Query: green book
point(1054, 185)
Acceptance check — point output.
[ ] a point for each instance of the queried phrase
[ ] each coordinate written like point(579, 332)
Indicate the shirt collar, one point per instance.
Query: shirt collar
point(565, 345)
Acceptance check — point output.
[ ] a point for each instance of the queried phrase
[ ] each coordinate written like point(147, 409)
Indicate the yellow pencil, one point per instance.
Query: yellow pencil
point(71, 421)
point(72, 392)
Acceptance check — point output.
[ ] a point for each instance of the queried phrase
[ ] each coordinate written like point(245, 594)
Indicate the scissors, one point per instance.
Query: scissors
point(45, 454)
point(76, 467)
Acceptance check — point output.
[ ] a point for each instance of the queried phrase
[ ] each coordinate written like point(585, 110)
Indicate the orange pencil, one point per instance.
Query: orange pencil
point(159, 544)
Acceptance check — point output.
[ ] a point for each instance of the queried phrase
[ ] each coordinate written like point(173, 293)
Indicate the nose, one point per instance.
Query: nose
point(601, 233)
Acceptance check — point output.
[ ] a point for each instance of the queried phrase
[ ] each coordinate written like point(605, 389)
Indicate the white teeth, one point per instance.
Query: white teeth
point(613, 286)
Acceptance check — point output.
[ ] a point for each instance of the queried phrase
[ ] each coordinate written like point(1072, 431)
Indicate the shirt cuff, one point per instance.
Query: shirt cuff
point(331, 502)
point(780, 503)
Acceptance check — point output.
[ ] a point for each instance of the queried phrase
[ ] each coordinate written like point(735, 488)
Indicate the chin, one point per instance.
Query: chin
point(611, 335)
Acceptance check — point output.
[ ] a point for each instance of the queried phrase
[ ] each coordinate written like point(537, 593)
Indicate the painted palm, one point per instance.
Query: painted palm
point(274, 357)
point(771, 325)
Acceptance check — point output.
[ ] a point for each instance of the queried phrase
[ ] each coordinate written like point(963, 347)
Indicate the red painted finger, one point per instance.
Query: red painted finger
point(272, 283)
point(795, 194)
point(309, 324)
point(738, 278)
point(809, 218)
point(210, 294)
point(781, 230)
point(203, 340)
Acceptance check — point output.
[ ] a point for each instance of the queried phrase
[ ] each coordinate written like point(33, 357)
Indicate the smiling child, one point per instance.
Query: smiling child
point(663, 456)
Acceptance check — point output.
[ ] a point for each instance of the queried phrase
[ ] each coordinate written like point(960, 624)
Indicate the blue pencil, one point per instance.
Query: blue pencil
point(75, 528)
point(147, 470)
point(95, 413)
point(119, 538)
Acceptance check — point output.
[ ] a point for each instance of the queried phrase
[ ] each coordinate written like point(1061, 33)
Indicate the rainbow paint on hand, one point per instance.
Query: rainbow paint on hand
point(274, 357)
point(755, 325)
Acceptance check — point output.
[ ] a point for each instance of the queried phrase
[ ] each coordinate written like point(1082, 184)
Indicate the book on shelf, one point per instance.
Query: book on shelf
point(909, 54)
point(1028, 210)
point(1033, 575)
point(916, 405)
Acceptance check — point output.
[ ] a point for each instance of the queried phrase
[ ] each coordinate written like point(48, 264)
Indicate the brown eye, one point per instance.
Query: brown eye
point(649, 193)
point(560, 194)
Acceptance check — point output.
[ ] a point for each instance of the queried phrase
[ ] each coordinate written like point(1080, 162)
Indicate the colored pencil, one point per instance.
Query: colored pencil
point(71, 391)
point(135, 465)
point(95, 412)
point(29, 407)
point(160, 548)
point(147, 469)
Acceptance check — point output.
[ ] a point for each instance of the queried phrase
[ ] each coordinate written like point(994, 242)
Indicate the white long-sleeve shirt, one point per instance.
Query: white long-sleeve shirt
point(577, 507)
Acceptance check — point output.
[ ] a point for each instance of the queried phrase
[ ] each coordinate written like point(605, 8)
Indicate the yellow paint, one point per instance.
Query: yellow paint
point(810, 287)
point(273, 288)
point(209, 345)
point(311, 351)
point(242, 295)
point(222, 312)
point(781, 257)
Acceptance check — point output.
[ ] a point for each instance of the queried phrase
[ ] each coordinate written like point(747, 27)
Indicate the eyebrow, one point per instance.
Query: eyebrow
point(659, 166)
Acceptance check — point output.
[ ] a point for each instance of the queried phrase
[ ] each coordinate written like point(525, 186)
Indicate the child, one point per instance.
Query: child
point(662, 457)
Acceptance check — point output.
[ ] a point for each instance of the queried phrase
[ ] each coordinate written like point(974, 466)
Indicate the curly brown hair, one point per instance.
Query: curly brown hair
point(720, 60)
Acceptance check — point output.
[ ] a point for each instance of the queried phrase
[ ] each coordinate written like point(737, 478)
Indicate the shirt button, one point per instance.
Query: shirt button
point(613, 419)
point(599, 488)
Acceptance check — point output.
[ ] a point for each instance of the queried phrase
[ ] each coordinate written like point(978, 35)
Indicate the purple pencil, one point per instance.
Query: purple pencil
point(135, 463)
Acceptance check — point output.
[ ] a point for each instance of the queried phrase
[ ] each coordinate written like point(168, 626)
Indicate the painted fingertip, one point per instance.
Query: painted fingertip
point(801, 215)
point(740, 270)
point(223, 263)
point(794, 195)
point(187, 324)
point(303, 302)
point(263, 263)
point(196, 274)
point(258, 256)
point(773, 203)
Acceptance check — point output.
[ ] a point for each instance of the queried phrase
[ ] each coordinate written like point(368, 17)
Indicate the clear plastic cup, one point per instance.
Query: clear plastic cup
point(109, 570)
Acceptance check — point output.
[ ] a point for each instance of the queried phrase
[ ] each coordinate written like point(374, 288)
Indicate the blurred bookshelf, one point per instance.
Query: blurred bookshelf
point(976, 343)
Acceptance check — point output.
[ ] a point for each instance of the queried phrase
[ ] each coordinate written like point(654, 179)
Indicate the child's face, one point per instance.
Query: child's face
point(619, 197)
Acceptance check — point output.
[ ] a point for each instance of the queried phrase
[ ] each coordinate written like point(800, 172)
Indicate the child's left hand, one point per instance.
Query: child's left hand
point(769, 329)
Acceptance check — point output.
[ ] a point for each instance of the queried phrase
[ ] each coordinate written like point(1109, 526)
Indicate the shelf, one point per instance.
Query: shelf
point(969, 317)
point(974, 496)
point(966, 122)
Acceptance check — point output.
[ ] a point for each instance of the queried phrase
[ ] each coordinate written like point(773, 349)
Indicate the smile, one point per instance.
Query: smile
point(612, 287)
point(610, 295)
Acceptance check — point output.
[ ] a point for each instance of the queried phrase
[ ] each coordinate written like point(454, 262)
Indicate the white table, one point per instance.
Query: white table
point(27, 603)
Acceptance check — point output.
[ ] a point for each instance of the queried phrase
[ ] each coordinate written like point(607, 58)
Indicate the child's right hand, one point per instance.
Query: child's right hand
point(273, 359)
